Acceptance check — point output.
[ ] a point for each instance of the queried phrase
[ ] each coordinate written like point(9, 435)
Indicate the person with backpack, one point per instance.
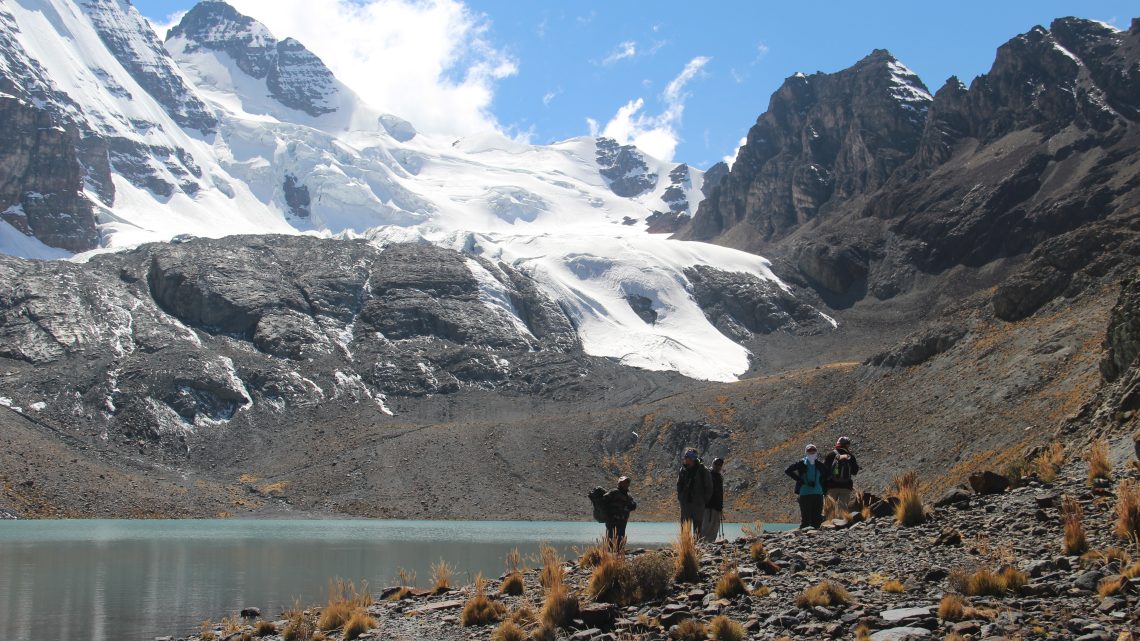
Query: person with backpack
point(843, 467)
point(810, 475)
point(617, 504)
point(714, 509)
point(694, 489)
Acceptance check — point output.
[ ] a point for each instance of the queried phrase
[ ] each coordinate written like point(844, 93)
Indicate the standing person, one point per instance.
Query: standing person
point(618, 504)
point(843, 467)
point(714, 509)
point(810, 475)
point(694, 489)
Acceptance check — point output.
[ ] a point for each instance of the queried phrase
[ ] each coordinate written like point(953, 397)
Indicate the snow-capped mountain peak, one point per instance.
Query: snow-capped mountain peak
point(228, 129)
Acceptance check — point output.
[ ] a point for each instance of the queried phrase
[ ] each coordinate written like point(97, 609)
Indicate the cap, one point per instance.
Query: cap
point(810, 447)
point(718, 461)
point(843, 442)
point(690, 453)
point(623, 479)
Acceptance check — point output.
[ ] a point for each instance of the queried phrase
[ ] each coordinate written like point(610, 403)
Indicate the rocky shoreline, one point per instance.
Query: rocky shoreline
point(892, 581)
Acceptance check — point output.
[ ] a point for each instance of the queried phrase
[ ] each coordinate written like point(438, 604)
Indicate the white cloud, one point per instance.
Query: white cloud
point(761, 49)
point(656, 134)
point(593, 126)
point(627, 49)
point(429, 61)
point(549, 96)
point(731, 158)
point(166, 25)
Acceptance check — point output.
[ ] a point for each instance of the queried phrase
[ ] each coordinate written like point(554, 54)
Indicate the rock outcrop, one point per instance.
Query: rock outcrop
point(862, 184)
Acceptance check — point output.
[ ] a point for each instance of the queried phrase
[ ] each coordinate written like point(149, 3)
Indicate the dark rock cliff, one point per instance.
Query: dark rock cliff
point(859, 184)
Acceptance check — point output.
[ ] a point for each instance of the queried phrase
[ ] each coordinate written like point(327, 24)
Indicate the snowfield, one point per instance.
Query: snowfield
point(358, 172)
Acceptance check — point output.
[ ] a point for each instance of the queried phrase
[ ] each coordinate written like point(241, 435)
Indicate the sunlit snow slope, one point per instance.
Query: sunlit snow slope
point(228, 130)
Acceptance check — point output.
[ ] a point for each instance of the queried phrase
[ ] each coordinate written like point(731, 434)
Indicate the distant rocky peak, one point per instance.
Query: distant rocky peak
point(624, 168)
point(295, 76)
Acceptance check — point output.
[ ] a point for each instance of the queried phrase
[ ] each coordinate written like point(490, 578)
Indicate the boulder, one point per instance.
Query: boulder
point(955, 495)
point(903, 633)
point(988, 482)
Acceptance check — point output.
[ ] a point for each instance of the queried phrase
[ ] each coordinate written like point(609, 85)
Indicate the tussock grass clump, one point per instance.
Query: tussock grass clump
point(1098, 557)
point(592, 556)
point(441, 575)
point(753, 530)
point(1132, 571)
point(862, 632)
point(687, 569)
point(909, 511)
point(1099, 465)
point(1128, 510)
point(551, 574)
point(952, 607)
point(985, 582)
point(730, 585)
point(480, 610)
point(757, 551)
point(1111, 586)
point(611, 580)
point(831, 510)
point(298, 627)
point(762, 591)
point(723, 628)
point(1048, 462)
point(1072, 519)
point(653, 574)
point(894, 586)
point(954, 636)
point(524, 616)
point(358, 625)
point(207, 630)
point(559, 608)
point(264, 628)
point(823, 594)
point(513, 584)
point(508, 631)
point(690, 630)
point(344, 601)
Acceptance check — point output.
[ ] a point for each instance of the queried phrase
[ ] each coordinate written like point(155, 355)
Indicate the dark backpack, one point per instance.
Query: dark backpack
point(595, 497)
point(841, 470)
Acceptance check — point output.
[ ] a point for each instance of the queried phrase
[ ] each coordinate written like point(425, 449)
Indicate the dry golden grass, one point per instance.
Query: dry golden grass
point(823, 594)
point(611, 580)
point(831, 510)
point(345, 599)
point(297, 625)
point(273, 488)
point(1049, 462)
point(1111, 586)
point(757, 551)
point(1099, 465)
point(441, 575)
point(1104, 557)
point(480, 610)
point(862, 632)
point(1072, 520)
point(358, 625)
point(514, 561)
point(1132, 571)
point(988, 583)
point(551, 574)
point(730, 585)
point(762, 591)
point(513, 584)
point(909, 511)
point(524, 616)
point(954, 636)
point(690, 630)
point(1128, 510)
point(591, 556)
point(207, 633)
point(894, 586)
point(509, 631)
point(687, 565)
point(559, 608)
point(753, 530)
point(723, 628)
point(952, 607)
point(264, 628)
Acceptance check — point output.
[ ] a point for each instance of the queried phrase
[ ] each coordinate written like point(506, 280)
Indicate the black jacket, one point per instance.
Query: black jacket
point(831, 462)
point(717, 500)
point(799, 468)
point(618, 504)
point(694, 485)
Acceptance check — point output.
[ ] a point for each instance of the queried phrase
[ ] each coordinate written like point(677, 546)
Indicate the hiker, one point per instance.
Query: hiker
point(843, 467)
point(714, 509)
point(617, 504)
point(694, 489)
point(810, 475)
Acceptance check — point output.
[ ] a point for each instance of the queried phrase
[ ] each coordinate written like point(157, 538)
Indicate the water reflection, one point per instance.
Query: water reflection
point(103, 580)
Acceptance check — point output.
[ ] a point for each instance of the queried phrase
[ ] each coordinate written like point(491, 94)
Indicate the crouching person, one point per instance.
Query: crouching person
point(618, 504)
point(810, 475)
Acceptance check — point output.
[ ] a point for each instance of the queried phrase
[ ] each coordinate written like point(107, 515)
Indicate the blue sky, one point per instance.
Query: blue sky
point(702, 72)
